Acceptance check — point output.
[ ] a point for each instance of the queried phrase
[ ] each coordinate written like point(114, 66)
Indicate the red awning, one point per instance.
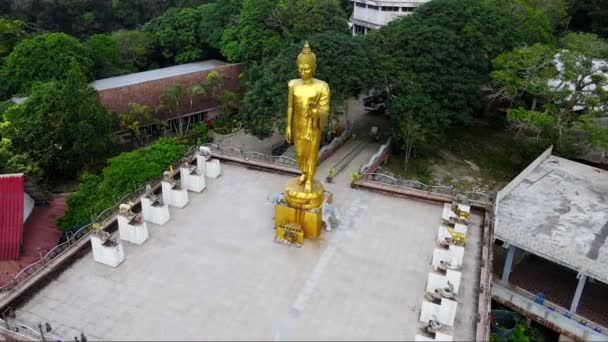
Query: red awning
point(11, 215)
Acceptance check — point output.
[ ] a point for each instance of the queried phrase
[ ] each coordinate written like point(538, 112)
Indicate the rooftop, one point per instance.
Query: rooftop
point(157, 74)
point(214, 272)
point(558, 209)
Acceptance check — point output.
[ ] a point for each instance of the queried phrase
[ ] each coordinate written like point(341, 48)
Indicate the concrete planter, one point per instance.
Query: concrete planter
point(194, 178)
point(174, 193)
point(106, 249)
point(133, 228)
point(154, 211)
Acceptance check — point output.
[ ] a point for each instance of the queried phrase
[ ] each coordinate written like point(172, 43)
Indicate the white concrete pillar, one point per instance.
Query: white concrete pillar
point(578, 293)
point(175, 197)
point(506, 271)
point(157, 214)
point(213, 168)
point(134, 232)
point(111, 254)
point(195, 180)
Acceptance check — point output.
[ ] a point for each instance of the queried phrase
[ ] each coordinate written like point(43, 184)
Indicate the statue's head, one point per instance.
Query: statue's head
point(307, 63)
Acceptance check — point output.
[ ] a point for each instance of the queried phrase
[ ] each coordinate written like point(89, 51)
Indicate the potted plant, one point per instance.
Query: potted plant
point(354, 178)
point(330, 174)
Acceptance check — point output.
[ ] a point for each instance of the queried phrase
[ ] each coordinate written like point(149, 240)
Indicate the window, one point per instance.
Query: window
point(390, 9)
point(359, 29)
point(374, 7)
point(408, 9)
point(360, 4)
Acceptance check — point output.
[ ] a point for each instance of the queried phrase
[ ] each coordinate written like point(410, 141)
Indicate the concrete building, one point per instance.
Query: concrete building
point(373, 14)
point(551, 228)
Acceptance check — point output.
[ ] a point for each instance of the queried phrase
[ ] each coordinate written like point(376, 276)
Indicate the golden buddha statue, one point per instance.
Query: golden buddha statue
point(307, 114)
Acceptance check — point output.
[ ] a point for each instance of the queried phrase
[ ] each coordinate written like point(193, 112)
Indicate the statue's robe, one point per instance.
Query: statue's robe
point(307, 127)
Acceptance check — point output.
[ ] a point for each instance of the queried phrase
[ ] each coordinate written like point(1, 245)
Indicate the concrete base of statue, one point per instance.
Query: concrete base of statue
point(154, 211)
point(107, 250)
point(213, 168)
point(194, 178)
point(310, 220)
point(133, 229)
point(174, 194)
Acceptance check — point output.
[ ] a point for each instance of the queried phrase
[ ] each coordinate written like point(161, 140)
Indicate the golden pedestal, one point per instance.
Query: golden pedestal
point(310, 220)
point(296, 197)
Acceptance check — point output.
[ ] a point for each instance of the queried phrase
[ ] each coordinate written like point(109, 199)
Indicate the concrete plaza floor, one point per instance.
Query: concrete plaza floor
point(213, 272)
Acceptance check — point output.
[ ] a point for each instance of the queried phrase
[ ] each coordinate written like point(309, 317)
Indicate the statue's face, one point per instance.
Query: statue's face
point(306, 71)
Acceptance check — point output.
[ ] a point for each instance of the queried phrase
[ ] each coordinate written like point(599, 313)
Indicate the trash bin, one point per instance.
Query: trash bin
point(503, 322)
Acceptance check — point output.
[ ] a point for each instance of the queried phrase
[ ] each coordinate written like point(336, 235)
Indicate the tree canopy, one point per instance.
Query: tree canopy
point(61, 125)
point(556, 92)
point(43, 57)
point(11, 33)
point(342, 61)
point(435, 61)
point(217, 17)
point(177, 34)
point(266, 27)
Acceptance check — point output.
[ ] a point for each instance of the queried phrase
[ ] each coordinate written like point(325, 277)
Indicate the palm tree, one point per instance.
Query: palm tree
point(171, 100)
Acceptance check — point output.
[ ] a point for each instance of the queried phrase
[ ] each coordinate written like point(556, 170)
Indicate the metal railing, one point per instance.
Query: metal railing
point(27, 333)
point(416, 185)
point(73, 238)
point(252, 155)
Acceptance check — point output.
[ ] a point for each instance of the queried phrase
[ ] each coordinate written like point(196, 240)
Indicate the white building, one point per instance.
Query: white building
point(373, 14)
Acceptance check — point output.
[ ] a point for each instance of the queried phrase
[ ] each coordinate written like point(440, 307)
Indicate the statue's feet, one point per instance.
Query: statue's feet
point(308, 186)
point(302, 179)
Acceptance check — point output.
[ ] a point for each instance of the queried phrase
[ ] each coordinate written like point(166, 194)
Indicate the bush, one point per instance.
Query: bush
point(200, 134)
point(225, 124)
point(122, 175)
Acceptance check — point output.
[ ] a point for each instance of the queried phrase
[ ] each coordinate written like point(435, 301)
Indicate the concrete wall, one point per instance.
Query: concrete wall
point(116, 100)
point(378, 158)
point(28, 206)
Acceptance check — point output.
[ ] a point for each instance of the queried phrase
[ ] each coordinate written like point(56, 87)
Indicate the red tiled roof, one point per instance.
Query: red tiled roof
point(11, 215)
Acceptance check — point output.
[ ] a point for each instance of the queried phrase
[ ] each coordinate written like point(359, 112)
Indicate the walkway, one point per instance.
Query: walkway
point(39, 234)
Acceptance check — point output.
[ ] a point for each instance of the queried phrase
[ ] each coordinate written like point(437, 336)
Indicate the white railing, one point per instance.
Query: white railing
point(251, 155)
point(27, 333)
point(416, 185)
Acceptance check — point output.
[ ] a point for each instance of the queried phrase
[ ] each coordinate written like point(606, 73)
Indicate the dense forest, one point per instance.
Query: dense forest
point(441, 66)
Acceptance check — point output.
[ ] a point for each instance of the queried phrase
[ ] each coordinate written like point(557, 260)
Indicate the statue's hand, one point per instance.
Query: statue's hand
point(288, 135)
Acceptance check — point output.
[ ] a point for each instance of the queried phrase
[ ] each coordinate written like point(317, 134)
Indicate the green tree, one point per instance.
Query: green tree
point(123, 174)
point(556, 92)
point(435, 61)
point(134, 13)
point(342, 61)
point(589, 16)
point(136, 118)
point(171, 101)
point(556, 11)
point(217, 17)
point(44, 57)
point(108, 61)
point(61, 125)
point(176, 32)
point(11, 33)
point(266, 27)
point(135, 48)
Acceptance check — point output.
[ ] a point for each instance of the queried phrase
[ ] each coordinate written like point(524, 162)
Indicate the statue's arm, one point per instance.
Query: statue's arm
point(324, 100)
point(289, 111)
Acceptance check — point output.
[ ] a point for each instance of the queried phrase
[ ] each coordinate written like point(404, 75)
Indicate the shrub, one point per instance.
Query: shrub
point(122, 175)
point(200, 134)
